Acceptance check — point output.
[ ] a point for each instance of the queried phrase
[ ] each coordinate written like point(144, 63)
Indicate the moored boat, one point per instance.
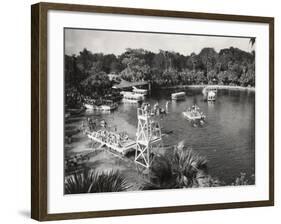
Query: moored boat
point(211, 96)
point(209, 89)
point(178, 96)
point(89, 106)
point(132, 97)
point(74, 111)
point(104, 107)
point(140, 91)
point(109, 107)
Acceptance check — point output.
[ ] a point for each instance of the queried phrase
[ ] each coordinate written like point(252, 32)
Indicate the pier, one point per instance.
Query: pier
point(148, 136)
point(112, 140)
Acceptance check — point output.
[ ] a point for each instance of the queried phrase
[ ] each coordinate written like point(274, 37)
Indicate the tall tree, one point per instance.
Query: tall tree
point(209, 58)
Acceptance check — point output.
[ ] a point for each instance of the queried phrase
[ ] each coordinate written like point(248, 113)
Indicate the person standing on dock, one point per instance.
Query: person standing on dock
point(103, 124)
point(156, 108)
point(167, 106)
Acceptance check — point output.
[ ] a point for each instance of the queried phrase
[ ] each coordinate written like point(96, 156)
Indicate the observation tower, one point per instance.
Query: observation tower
point(148, 136)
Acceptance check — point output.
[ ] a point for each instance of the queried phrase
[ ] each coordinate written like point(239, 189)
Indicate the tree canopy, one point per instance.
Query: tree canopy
point(88, 71)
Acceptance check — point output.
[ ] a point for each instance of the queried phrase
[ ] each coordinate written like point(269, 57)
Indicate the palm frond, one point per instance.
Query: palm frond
point(90, 181)
point(186, 164)
point(252, 41)
point(161, 175)
point(178, 169)
point(77, 183)
point(113, 181)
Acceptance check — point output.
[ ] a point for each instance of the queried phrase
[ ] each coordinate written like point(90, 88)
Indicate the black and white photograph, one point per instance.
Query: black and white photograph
point(155, 111)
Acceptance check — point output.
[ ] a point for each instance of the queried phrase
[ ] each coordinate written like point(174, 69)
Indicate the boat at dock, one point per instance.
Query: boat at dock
point(132, 97)
point(109, 107)
point(210, 93)
point(89, 106)
point(209, 89)
point(73, 111)
point(140, 91)
point(211, 96)
point(103, 107)
point(178, 96)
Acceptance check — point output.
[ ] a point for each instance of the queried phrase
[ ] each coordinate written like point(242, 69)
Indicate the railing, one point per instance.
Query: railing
point(144, 111)
point(112, 138)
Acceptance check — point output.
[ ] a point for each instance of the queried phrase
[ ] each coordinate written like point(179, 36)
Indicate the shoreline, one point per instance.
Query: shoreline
point(202, 86)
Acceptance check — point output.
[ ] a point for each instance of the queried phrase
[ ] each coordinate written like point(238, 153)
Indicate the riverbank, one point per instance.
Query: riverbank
point(202, 86)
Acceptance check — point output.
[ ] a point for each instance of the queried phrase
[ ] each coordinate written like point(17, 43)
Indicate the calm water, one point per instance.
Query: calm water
point(227, 139)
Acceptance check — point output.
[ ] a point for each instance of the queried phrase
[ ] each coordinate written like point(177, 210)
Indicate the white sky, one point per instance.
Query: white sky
point(115, 42)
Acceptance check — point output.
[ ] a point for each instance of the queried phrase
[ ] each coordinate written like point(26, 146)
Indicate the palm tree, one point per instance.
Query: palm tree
point(160, 174)
point(90, 181)
point(181, 169)
point(252, 41)
point(187, 165)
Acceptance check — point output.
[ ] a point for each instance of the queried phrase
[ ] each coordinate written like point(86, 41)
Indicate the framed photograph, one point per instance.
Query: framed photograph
point(140, 111)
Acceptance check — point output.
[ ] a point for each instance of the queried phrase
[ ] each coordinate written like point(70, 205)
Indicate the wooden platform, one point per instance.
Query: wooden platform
point(123, 148)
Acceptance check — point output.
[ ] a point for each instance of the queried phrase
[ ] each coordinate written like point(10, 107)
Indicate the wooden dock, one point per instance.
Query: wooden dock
point(112, 140)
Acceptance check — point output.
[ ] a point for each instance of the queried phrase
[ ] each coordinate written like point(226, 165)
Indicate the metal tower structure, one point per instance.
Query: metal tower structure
point(148, 136)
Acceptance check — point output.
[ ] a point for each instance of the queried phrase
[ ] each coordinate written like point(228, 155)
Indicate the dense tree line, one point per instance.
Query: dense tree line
point(88, 72)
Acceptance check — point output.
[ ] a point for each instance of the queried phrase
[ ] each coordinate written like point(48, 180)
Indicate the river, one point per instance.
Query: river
point(227, 139)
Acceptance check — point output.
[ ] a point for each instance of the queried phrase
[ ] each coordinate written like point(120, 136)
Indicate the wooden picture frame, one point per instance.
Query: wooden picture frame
point(39, 109)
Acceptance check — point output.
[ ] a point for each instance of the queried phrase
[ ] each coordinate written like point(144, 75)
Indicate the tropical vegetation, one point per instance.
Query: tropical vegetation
point(179, 167)
point(90, 181)
point(231, 66)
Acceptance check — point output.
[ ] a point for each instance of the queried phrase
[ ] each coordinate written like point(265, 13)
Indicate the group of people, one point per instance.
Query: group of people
point(156, 109)
point(91, 125)
point(194, 108)
point(73, 98)
point(113, 138)
point(195, 111)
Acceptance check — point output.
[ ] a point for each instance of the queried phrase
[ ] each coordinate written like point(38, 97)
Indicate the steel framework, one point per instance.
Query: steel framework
point(148, 136)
